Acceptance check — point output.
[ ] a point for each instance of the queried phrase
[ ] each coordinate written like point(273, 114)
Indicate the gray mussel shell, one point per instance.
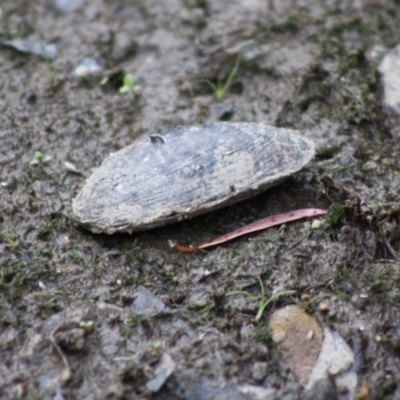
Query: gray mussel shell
point(187, 171)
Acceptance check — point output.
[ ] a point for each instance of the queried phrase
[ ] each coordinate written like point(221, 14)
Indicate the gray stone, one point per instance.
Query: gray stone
point(146, 304)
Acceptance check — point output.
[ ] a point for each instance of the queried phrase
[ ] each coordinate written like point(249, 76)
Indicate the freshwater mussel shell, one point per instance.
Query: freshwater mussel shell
point(187, 171)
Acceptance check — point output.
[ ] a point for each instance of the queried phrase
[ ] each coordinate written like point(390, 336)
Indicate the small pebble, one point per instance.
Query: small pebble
point(316, 224)
point(71, 168)
point(67, 6)
point(259, 371)
point(45, 50)
point(335, 364)
point(88, 66)
point(42, 285)
point(324, 307)
point(278, 335)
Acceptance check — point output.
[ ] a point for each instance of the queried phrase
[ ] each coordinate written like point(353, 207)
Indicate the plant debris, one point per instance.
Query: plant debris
point(253, 227)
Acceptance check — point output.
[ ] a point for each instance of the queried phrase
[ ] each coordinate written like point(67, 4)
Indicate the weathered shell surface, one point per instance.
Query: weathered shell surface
point(185, 172)
point(390, 70)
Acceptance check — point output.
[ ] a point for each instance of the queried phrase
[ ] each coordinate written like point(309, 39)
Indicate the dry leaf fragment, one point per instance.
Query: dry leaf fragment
point(291, 328)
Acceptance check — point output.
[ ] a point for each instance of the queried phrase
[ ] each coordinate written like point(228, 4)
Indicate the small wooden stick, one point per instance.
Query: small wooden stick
point(254, 227)
point(180, 248)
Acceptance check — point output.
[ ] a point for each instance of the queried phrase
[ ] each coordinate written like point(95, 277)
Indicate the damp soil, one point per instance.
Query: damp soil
point(70, 323)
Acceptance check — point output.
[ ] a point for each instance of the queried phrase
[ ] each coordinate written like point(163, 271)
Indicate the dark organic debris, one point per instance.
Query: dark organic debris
point(187, 171)
point(45, 50)
point(361, 217)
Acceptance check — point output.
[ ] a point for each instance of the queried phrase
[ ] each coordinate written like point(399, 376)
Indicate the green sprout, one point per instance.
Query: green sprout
point(77, 257)
point(222, 87)
point(155, 345)
point(40, 159)
point(262, 300)
point(88, 326)
point(128, 85)
point(11, 240)
point(51, 71)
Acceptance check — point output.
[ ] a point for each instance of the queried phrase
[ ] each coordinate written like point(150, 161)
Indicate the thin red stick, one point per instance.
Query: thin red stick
point(180, 248)
point(264, 224)
point(254, 227)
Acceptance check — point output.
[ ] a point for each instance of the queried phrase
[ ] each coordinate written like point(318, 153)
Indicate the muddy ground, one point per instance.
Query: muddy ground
point(69, 324)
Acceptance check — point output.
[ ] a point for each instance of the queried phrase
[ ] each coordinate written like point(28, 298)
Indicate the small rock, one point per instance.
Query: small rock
point(146, 304)
point(47, 51)
point(211, 390)
point(316, 224)
point(256, 392)
point(71, 168)
point(259, 371)
point(162, 372)
point(335, 361)
point(222, 111)
point(324, 307)
point(67, 6)
point(88, 66)
point(199, 297)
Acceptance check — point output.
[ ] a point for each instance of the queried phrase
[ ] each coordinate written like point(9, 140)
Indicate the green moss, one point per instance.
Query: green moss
point(11, 240)
point(45, 231)
point(76, 256)
point(335, 213)
point(19, 276)
point(192, 4)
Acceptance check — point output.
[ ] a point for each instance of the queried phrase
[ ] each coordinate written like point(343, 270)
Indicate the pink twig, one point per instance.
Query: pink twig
point(255, 226)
